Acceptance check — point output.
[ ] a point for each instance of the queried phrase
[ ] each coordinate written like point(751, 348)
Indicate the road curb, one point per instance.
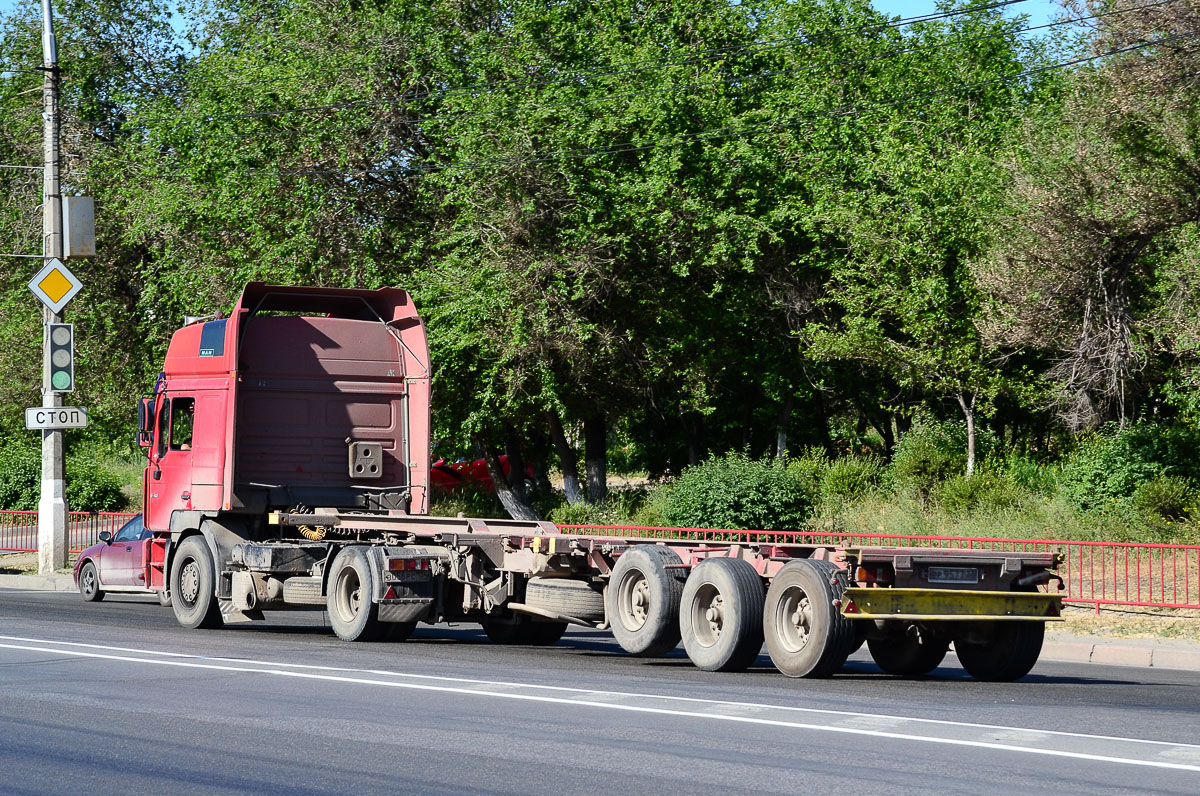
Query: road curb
point(1122, 652)
point(38, 582)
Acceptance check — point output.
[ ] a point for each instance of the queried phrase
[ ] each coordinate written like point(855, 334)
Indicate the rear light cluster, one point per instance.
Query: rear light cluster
point(407, 564)
point(873, 575)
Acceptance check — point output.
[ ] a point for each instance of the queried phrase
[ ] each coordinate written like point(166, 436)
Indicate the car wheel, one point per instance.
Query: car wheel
point(164, 598)
point(89, 583)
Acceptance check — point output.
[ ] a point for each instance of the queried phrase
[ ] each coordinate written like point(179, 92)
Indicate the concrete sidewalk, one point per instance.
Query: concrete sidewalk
point(57, 582)
point(1158, 653)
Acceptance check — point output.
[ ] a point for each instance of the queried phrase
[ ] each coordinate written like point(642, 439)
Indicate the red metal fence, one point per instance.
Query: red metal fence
point(1094, 573)
point(19, 529)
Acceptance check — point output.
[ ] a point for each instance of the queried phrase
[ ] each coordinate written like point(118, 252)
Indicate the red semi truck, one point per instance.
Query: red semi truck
point(289, 465)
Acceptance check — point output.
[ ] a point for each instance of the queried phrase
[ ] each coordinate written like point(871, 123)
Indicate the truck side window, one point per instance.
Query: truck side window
point(160, 437)
point(183, 413)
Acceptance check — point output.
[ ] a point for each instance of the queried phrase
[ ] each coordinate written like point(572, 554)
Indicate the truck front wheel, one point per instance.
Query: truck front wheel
point(352, 612)
point(1001, 652)
point(193, 585)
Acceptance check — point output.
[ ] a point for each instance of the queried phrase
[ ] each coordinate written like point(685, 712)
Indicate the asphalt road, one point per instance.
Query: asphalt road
point(116, 697)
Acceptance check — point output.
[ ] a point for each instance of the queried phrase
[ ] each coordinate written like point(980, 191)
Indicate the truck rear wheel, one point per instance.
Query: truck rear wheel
point(520, 630)
point(721, 615)
point(353, 615)
point(644, 593)
point(908, 655)
point(193, 585)
point(1006, 652)
point(806, 634)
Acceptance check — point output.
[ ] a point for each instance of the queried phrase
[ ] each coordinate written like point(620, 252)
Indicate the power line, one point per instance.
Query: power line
point(613, 70)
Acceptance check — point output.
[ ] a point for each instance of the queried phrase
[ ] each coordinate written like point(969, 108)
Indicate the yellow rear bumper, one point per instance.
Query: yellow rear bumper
point(950, 605)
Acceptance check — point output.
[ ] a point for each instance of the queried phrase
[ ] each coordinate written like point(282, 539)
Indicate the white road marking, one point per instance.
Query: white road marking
point(843, 714)
point(476, 688)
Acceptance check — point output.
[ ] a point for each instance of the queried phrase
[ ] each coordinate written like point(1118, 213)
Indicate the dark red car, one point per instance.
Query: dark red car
point(116, 564)
point(446, 475)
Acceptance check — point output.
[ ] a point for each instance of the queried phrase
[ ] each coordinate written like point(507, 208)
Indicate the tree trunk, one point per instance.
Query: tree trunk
point(567, 458)
point(884, 426)
point(514, 503)
point(781, 429)
point(516, 465)
point(541, 480)
point(595, 451)
point(969, 413)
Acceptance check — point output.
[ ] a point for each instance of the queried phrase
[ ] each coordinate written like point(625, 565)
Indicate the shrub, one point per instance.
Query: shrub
point(20, 477)
point(1167, 496)
point(809, 469)
point(849, 478)
point(1110, 466)
point(985, 490)
point(735, 491)
point(1029, 474)
point(91, 484)
point(933, 451)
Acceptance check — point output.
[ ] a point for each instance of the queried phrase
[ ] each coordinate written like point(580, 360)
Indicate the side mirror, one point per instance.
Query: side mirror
point(106, 537)
point(145, 421)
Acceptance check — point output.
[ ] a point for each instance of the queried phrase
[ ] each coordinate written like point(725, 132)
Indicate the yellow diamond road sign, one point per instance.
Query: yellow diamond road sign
point(55, 285)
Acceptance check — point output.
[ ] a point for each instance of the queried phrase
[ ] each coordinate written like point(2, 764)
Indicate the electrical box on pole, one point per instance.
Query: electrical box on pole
point(79, 227)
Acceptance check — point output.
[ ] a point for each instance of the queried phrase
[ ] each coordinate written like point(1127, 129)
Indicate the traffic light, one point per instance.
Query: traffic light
point(62, 356)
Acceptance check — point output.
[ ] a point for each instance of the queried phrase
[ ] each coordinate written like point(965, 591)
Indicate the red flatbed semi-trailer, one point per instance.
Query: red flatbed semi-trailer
point(289, 467)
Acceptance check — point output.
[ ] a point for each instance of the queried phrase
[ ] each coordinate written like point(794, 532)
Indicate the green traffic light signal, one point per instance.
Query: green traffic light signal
point(62, 356)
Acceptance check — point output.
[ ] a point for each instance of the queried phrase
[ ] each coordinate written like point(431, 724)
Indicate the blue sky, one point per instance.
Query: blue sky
point(1039, 11)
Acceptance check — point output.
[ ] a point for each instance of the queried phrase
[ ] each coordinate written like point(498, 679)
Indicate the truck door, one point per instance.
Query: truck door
point(169, 482)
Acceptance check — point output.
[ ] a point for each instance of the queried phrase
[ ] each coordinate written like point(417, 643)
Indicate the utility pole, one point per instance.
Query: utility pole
point(52, 507)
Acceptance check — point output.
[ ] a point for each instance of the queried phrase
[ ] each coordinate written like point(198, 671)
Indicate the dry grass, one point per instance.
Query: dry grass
point(1133, 622)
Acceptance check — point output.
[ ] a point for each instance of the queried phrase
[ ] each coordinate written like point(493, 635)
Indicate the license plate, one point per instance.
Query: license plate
point(953, 574)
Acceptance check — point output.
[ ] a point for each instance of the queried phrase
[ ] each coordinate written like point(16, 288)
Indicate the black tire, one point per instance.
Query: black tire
point(806, 634)
point(164, 598)
point(89, 583)
point(906, 655)
point(193, 585)
point(578, 599)
point(644, 593)
point(1009, 653)
point(396, 631)
point(353, 613)
point(721, 615)
point(520, 630)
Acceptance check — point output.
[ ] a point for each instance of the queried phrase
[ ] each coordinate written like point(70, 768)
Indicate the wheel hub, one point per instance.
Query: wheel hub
point(189, 582)
point(793, 618)
point(634, 601)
